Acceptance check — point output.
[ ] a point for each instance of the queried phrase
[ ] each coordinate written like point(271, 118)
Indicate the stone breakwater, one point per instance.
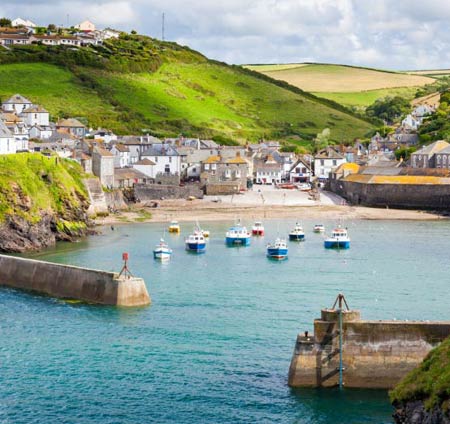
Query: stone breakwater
point(71, 282)
point(375, 354)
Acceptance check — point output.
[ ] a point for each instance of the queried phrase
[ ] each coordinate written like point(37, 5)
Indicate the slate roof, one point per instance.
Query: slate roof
point(160, 150)
point(432, 148)
point(70, 123)
point(35, 109)
point(4, 131)
point(328, 153)
point(17, 99)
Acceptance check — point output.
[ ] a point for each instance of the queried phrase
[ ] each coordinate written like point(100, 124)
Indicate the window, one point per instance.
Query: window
point(194, 169)
point(238, 173)
point(170, 159)
point(334, 162)
point(167, 169)
point(322, 162)
point(206, 167)
point(439, 159)
point(213, 166)
point(156, 159)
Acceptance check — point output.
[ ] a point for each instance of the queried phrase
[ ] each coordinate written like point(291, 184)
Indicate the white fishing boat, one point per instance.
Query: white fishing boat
point(162, 251)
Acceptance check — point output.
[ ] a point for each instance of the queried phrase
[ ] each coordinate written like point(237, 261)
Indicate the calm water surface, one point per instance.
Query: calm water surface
point(216, 344)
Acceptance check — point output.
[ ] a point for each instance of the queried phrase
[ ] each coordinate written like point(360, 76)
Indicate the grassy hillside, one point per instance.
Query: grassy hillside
point(31, 184)
point(350, 86)
point(430, 382)
point(139, 84)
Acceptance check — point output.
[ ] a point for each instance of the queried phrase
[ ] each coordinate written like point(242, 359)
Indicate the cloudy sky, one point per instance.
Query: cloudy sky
point(393, 34)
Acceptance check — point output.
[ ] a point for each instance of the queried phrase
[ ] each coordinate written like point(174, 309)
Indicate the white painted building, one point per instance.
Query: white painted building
point(121, 155)
point(85, 26)
point(41, 132)
point(326, 160)
point(19, 22)
point(16, 104)
point(36, 115)
point(7, 142)
point(146, 166)
point(166, 159)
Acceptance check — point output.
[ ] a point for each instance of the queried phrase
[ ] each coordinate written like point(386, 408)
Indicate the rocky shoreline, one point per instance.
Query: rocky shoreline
point(415, 413)
point(18, 235)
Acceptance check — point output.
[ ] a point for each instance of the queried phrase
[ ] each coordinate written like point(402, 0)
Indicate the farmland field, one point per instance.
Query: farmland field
point(342, 79)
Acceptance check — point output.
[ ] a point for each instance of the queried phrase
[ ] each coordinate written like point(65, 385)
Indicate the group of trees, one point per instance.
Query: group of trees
point(389, 109)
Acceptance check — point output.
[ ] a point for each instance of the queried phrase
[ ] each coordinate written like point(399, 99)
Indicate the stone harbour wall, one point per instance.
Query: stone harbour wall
point(413, 196)
point(376, 354)
point(157, 192)
point(71, 282)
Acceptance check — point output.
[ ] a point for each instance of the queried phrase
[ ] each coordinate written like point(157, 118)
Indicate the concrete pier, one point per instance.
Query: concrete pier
point(71, 282)
point(375, 354)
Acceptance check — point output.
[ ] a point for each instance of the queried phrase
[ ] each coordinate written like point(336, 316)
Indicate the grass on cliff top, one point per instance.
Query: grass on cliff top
point(430, 382)
point(31, 183)
point(57, 90)
point(208, 98)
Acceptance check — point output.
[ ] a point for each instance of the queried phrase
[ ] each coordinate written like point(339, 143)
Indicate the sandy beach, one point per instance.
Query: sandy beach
point(261, 203)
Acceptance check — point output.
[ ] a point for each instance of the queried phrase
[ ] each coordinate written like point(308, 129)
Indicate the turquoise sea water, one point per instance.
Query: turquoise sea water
point(216, 344)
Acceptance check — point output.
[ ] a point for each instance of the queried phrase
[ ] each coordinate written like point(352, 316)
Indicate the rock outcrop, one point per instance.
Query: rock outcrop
point(415, 413)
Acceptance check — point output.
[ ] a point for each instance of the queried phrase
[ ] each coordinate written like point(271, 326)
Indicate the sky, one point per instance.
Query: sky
point(388, 34)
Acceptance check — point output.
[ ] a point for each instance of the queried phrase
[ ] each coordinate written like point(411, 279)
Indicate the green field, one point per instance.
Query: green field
point(180, 93)
point(363, 99)
point(57, 90)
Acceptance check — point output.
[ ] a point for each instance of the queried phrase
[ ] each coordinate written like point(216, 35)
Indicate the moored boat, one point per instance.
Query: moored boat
point(162, 251)
point(277, 250)
point(319, 228)
point(174, 227)
point(258, 228)
point(237, 236)
point(339, 239)
point(297, 234)
point(196, 242)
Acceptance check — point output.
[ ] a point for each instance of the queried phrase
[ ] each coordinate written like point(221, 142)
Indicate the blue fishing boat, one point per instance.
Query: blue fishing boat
point(297, 234)
point(196, 242)
point(339, 239)
point(162, 251)
point(277, 250)
point(238, 235)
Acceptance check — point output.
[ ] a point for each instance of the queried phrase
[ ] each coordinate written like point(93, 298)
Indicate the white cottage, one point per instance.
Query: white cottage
point(121, 155)
point(36, 115)
point(166, 159)
point(326, 160)
point(16, 104)
point(7, 142)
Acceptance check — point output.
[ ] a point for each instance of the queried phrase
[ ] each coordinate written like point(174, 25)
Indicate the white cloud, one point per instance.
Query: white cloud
point(394, 34)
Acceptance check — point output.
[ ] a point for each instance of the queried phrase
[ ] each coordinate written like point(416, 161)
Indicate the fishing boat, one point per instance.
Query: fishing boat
point(162, 251)
point(196, 242)
point(237, 235)
point(297, 234)
point(174, 227)
point(258, 228)
point(339, 239)
point(319, 228)
point(277, 250)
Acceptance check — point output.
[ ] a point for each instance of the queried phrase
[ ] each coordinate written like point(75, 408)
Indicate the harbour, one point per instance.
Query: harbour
point(217, 341)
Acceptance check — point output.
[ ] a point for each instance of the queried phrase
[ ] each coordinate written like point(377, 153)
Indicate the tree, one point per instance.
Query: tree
point(5, 22)
point(51, 27)
point(389, 108)
point(322, 140)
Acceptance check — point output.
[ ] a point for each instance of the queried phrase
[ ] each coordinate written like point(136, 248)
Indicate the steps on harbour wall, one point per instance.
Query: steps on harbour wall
point(96, 196)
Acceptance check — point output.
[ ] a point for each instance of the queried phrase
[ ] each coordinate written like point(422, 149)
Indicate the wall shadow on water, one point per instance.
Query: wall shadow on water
point(349, 406)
